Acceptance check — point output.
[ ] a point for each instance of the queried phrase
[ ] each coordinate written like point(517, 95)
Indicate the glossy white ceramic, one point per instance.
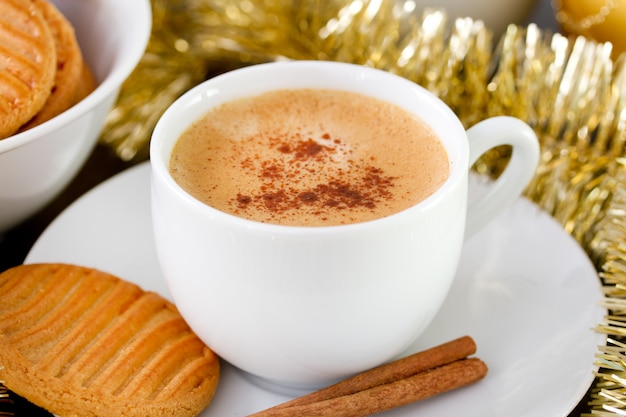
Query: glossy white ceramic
point(304, 306)
point(524, 290)
point(37, 164)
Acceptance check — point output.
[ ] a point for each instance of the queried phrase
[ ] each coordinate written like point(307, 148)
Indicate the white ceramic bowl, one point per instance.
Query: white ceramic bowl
point(37, 164)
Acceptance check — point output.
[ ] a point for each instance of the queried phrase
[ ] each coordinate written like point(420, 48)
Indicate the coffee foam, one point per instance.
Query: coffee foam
point(309, 158)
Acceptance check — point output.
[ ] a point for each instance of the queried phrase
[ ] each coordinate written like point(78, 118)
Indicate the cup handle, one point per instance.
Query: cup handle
point(485, 135)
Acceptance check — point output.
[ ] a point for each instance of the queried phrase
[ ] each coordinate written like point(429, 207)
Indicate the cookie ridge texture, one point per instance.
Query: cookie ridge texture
point(81, 342)
point(63, 93)
point(27, 63)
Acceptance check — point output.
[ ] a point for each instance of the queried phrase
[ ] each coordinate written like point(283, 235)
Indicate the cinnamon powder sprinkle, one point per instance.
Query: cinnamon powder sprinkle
point(307, 155)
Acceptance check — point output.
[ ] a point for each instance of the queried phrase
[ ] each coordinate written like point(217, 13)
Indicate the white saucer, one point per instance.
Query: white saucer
point(525, 291)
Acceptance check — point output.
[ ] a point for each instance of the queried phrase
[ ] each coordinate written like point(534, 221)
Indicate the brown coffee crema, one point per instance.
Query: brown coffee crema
point(309, 157)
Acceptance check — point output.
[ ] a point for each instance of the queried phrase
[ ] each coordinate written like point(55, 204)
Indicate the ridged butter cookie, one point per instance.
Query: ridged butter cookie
point(80, 342)
point(27, 63)
point(69, 65)
point(86, 84)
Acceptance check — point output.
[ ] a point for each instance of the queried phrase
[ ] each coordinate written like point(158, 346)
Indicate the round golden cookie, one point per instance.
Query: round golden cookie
point(86, 84)
point(27, 63)
point(69, 65)
point(80, 342)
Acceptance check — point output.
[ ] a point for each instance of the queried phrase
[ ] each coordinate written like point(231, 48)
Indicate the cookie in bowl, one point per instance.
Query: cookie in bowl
point(69, 85)
point(38, 162)
point(28, 63)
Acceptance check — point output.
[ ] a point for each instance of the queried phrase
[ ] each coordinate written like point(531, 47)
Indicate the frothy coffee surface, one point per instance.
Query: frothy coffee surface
point(309, 158)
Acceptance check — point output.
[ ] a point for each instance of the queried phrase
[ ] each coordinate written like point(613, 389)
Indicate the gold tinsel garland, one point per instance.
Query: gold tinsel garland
point(568, 89)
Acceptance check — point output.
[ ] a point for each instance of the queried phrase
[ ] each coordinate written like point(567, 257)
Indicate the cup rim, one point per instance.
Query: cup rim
point(160, 154)
point(126, 59)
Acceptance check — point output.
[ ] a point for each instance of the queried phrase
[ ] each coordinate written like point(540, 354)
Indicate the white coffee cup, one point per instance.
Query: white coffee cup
point(303, 306)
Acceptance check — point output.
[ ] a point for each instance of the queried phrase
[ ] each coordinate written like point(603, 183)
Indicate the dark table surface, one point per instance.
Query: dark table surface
point(103, 164)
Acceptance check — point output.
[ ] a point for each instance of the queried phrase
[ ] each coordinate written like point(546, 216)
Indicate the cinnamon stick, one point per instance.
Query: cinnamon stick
point(398, 370)
point(392, 371)
point(391, 395)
